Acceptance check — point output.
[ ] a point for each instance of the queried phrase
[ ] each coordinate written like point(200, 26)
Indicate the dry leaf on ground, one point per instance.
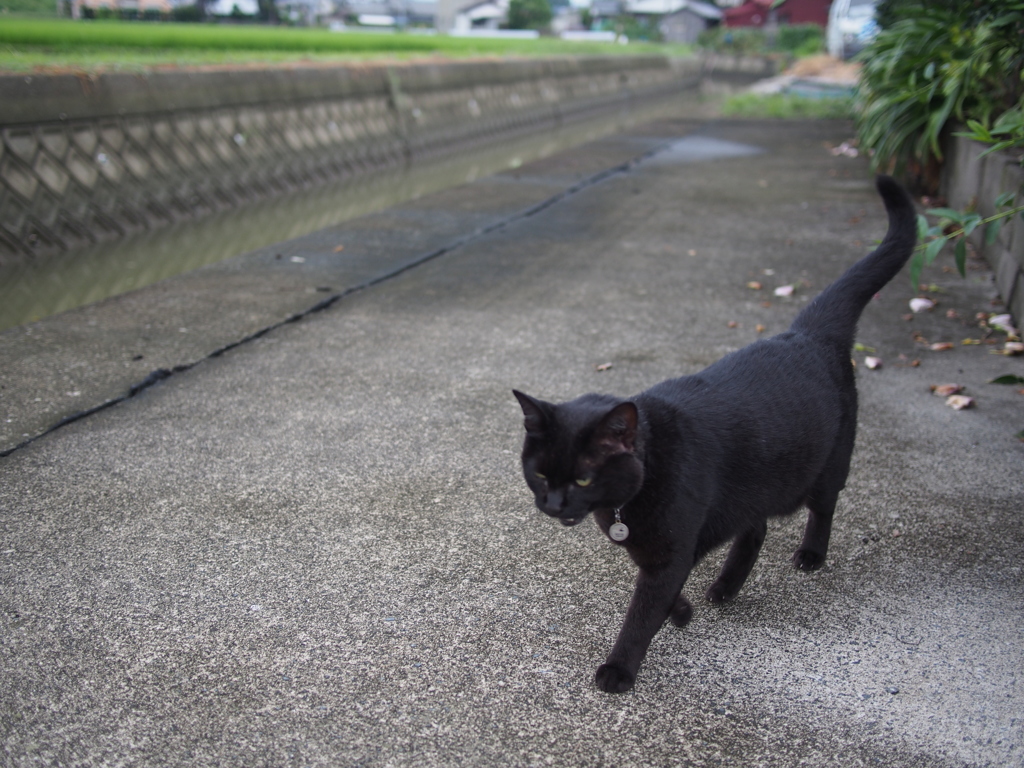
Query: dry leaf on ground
point(959, 402)
point(1011, 348)
point(945, 390)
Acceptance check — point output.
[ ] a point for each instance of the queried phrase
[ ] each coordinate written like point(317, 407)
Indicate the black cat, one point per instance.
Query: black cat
point(697, 461)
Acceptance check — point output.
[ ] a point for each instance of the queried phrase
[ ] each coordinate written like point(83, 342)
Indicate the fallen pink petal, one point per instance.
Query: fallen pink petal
point(959, 402)
point(1003, 322)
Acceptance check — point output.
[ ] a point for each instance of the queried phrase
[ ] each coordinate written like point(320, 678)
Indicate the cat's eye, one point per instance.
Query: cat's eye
point(583, 482)
point(539, 476)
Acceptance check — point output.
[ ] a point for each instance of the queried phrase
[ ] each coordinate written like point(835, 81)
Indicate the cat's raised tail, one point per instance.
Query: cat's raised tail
point(835, 311)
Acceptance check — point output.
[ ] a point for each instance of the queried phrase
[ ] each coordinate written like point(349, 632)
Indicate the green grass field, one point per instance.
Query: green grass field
point(33, 43)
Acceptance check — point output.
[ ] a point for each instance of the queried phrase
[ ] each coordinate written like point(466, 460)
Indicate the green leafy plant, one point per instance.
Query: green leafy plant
point(800, 39)
point(955, 227)
point(938, 60)
point(1006, 133)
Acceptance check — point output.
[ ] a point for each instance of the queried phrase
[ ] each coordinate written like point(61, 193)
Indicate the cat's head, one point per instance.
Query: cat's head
point(582, 455)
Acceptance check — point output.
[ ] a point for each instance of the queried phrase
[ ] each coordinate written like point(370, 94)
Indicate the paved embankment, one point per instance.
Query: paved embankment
point(316, 548)
point(91, 157)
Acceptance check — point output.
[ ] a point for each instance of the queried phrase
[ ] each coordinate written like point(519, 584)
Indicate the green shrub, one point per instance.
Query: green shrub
point(529, 14)
point(888, 12)
point(938, 60)
point(187, 13)
point(800, 39)
point(796, 39)
point(641, 29)
point(735, 40)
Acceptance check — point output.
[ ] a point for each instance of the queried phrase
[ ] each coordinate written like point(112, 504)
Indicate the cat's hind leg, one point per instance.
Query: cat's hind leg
point(821, 503)
point(738, 564)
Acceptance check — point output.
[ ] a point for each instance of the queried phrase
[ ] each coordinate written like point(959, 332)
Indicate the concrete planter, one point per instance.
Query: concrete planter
point(970, 179)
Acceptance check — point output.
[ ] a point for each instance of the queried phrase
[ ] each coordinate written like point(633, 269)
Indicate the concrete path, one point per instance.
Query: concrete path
point(316, 548)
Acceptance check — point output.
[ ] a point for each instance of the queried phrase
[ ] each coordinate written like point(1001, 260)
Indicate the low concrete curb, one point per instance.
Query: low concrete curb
point(973, 181)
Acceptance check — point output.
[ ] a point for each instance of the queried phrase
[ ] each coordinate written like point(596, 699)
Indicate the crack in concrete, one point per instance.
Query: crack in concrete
point(160, 374)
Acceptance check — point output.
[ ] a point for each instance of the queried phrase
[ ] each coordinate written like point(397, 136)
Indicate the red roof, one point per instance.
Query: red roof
point(755, 13)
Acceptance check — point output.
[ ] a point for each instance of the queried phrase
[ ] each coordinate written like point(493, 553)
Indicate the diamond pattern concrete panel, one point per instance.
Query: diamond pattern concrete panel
point(168, 146)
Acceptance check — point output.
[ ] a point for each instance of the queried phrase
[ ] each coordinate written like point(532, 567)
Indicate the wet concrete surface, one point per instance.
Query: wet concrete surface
point(47, 283)
point(68, 364)
point(317, 549)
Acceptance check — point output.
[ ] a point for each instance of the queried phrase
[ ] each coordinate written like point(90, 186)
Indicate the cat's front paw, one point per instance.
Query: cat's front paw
point(611, 678)
point(806, 560)
point(718, 594)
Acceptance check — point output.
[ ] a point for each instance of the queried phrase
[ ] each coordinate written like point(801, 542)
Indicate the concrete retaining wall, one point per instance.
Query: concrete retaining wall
point(84, 158)
point(970, 179)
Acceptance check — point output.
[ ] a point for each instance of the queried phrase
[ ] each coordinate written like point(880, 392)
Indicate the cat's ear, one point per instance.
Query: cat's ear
point(535, 413)
point(616, 432)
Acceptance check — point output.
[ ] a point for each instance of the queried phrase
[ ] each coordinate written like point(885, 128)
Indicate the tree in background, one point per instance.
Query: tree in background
point(529, 14)
point(268, 12)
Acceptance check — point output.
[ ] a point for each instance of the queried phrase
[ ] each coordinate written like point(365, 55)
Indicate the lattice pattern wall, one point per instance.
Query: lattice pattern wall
point(80, 177)
point(67, 184)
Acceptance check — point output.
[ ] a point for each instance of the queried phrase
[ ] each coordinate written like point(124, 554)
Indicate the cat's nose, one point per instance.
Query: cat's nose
point(554, 502)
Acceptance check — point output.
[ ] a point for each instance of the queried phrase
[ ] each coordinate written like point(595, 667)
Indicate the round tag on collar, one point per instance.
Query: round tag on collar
point(618, 532)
